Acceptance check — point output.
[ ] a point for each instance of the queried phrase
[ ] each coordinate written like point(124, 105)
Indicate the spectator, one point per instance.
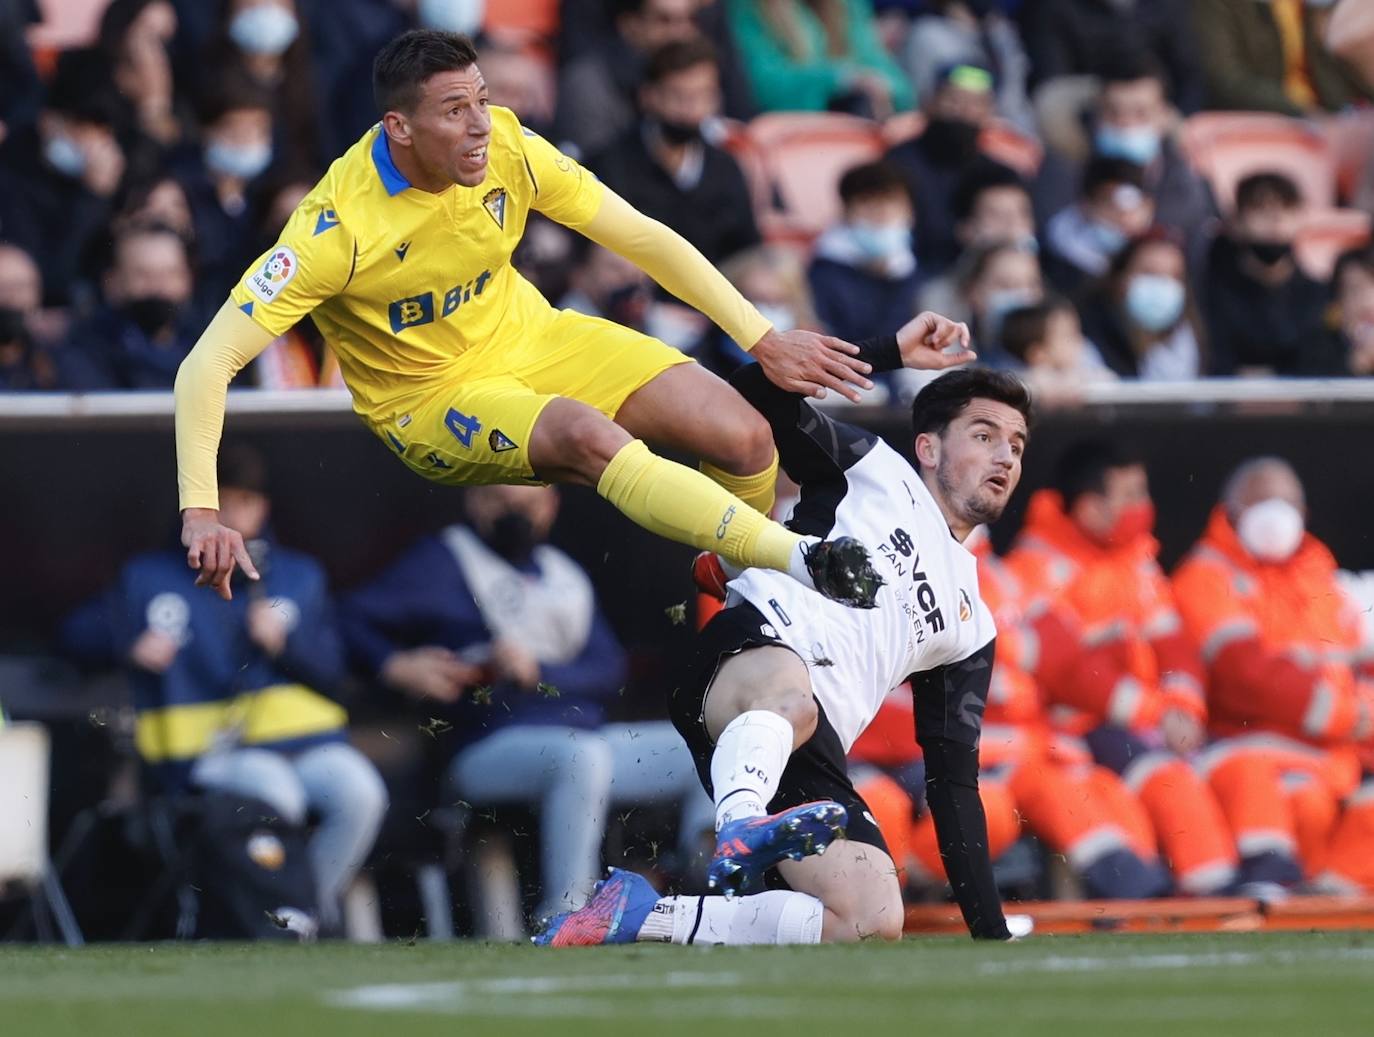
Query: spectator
point(262, 46)
point(1047, 339)
point(667, 168)
point(604, 284)
point(1132, 687)
point(236, 157)
point(1281, 641)
point(58, 181)
point(1350, 35)
point(501, 634)
point(774, 280)
point(942, 156)
point(1272, 57)
point(991, 207)
point(1140, 316)
point(134, 37)
point(138, 336)
point(597, 89)
point(1074, 38)
point(1263, 313)
point(1001, 278)
point(813, 55)
point(517, 80)
point(158, 199)
point(863, 274)
point(23, 363)
point(1082, 239)
point(21, 91)
point(971, 32)
point(1351, 344)
point(234, 695)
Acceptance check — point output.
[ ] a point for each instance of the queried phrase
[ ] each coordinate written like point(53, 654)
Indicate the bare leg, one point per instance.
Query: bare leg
point(858, 885)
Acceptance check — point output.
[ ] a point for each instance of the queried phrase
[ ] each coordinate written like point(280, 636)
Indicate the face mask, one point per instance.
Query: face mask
point(881, 241)
point(951, 141)
point(64, 156)
point(1132, 522)
point(1155, 302)
point(1108, 237)
point(777, 314)
point(151, 313)
point(678, 132)
point(463, 16)
point(266, 30)
point(1270, 530)
point(1270, 253)
point(511, 536)
point(1138, 144)
point(1000, 303)
point(243, 163)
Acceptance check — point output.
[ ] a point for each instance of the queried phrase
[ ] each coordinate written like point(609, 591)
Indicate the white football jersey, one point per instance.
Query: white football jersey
point(928, 614)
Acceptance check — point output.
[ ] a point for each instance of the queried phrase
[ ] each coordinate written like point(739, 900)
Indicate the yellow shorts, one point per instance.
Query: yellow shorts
point(478, 429)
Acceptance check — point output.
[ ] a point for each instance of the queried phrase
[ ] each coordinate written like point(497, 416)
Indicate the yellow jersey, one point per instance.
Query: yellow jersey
point(402, 282)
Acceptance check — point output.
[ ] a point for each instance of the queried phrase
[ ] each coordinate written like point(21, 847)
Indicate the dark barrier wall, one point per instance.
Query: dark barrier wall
point(81, 496)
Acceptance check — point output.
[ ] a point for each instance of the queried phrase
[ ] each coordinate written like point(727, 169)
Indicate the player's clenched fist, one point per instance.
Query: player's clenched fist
point(213, 550)
point(930, 342)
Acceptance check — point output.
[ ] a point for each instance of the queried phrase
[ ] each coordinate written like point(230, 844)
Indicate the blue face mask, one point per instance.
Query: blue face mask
point(1138, 144)
point(463, 16)
point(1108, 237)
point(1155, 302)
point(266, 30)
point(64, 156)
point(244, 163)
point(879, 242)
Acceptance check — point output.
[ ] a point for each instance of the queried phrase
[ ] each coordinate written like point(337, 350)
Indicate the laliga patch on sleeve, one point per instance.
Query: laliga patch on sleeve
point(276, 273)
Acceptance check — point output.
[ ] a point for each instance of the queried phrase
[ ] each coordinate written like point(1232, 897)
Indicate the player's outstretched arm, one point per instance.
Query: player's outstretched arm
point(230, 341)
point(799, 361)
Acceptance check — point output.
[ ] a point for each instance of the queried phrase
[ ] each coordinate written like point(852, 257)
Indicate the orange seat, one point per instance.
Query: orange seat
point(795, 160)
point(1225, 147)
point(1325, 234)
point(1352, 139)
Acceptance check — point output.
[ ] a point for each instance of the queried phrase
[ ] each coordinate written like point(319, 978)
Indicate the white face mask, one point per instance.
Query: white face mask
point(463, 16)
point(266, 30)
point(1270, 530)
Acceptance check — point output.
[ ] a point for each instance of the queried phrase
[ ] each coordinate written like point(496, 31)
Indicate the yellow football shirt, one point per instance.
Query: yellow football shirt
point(403, 282)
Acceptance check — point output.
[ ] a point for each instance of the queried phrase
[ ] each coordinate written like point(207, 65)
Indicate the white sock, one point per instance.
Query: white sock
point(778, 916)
point(796, 565)
point(749, 759)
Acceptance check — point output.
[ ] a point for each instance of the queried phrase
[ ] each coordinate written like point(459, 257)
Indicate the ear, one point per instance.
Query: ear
point(397, 128)
point(928, 450)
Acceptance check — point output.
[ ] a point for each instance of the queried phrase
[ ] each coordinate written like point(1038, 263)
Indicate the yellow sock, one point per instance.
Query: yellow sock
point(676, 502)
point(758, 490)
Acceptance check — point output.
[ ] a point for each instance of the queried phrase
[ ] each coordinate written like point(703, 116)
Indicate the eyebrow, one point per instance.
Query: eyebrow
point(997, 427)
point(463, 93)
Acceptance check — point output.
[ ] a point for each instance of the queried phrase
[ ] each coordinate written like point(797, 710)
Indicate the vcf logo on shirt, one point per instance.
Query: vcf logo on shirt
point(415, 310)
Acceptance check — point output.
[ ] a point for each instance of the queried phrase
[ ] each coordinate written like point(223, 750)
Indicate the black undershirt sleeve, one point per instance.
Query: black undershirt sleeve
point(949, 703)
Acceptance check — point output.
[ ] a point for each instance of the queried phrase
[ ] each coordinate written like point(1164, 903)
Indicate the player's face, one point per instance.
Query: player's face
point(977, 462)
point(451, 126)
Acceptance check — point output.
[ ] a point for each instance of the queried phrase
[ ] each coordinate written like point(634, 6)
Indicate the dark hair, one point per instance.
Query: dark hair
point(1129, 64)
point(1082, 468)
point(82, 89)
point(1026, 326)
point(115, 24)
point(870, 180)
point(1361, 258)
point(242, 468)
point(1102, 171)
point(944, 399)
point(404, 65)
point(980, 258)
point(985, 175)
point(232, 92)
point(678, 56)
point(1259, 189)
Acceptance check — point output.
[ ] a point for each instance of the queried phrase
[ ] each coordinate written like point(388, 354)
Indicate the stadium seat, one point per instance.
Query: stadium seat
point(1225, 147)
point(1352, 139)
point(797, 161)
point(25, 752)
point(1325, 234)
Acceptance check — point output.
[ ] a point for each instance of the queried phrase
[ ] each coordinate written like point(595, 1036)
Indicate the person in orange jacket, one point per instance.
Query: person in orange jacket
point(1030, 773)
point(1131, 681)
point(1281, 641)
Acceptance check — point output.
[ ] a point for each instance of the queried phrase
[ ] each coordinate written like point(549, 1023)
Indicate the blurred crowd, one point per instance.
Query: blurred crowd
point(1103, 189)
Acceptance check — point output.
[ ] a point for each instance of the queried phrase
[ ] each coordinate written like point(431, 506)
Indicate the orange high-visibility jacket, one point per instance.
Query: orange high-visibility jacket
point(1131, 659)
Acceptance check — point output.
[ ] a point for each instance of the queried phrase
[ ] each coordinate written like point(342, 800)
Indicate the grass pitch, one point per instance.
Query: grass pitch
point(1120, 985)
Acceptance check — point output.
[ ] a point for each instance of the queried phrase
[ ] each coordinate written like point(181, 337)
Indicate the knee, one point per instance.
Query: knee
point(746, 443)
point(586, 443)
point(801, 712)
point(874, 914)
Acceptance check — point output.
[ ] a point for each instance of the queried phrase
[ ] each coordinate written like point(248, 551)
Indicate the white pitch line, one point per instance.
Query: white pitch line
point(1069, 963)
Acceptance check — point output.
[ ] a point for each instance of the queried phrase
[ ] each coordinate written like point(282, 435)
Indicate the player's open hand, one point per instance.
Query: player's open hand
point(213, 550)
point(811, 363)
point(930, 342)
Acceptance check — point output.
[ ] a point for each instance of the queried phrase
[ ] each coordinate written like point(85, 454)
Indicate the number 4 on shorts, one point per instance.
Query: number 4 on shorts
point(462, 427)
